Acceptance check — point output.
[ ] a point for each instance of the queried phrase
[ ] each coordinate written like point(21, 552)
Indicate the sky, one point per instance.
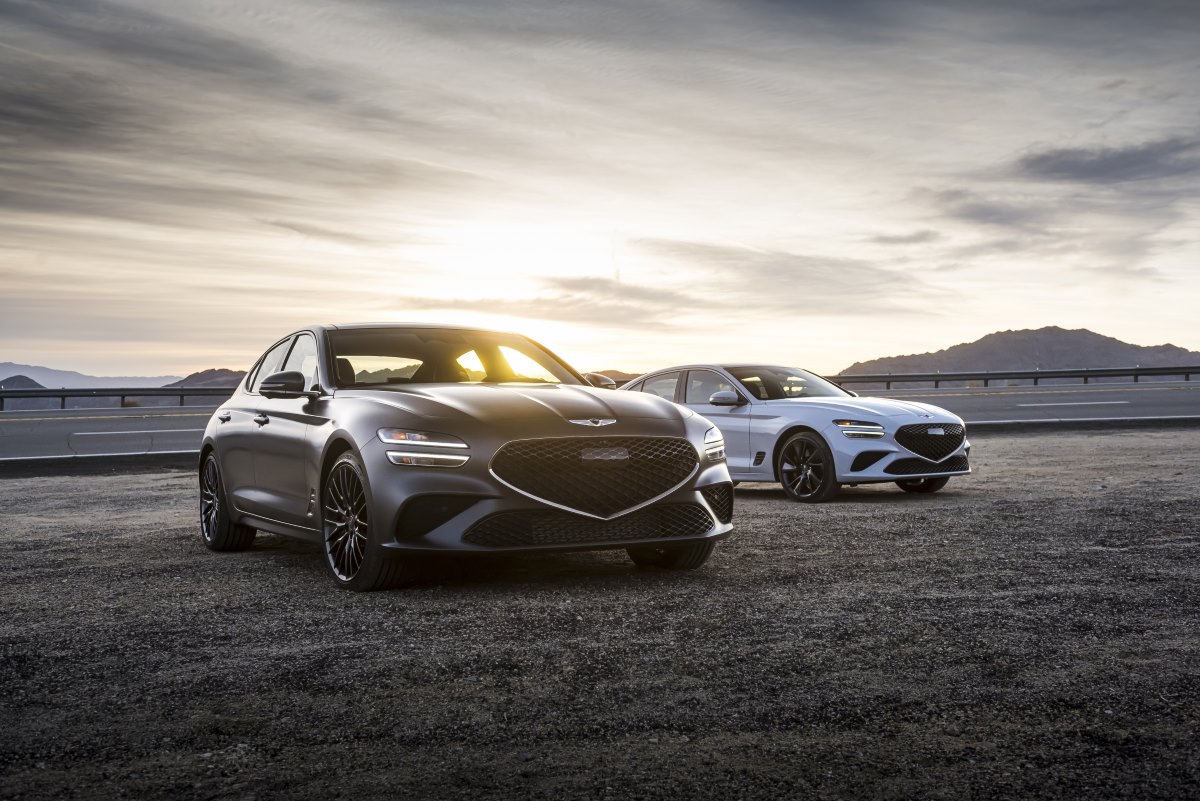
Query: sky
point(634, 183)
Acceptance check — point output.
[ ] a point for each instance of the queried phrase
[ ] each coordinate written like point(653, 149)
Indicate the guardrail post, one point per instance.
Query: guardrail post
point(180, 398)
point(62, 401)
point(986, 382)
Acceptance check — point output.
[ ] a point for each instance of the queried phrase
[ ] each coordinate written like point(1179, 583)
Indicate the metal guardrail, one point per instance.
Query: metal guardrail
point(1085, 373)
point(119, 392)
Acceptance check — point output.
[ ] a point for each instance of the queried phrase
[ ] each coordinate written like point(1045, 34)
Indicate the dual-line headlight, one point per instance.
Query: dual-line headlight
point(424, 448)
point(714, 445)
point(857, 429)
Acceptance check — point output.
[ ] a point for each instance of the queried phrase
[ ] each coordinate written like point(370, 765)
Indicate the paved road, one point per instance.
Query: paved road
point(80, 432)
point(1065, 402)
point(86, 432)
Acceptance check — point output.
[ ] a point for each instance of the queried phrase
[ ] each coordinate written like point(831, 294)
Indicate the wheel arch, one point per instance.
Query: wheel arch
point(783, 437)
point(338, 445)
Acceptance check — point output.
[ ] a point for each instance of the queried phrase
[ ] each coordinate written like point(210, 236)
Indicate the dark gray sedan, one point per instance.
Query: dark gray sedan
point(385, 442)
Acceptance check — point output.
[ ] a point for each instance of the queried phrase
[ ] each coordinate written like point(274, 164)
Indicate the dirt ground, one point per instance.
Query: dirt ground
point(1030, 632)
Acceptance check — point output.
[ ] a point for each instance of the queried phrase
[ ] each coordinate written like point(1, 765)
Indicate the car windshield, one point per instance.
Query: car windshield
point(779, 383)
point(382, 356)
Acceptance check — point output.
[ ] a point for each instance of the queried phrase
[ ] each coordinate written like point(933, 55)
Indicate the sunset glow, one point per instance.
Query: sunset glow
point(633, 184)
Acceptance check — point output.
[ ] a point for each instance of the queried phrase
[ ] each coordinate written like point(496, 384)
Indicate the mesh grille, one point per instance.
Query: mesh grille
point(545, 528)
point(720, 498)
point(911, 467)
point(866, 459)
point(598, 475)
point(932, 446)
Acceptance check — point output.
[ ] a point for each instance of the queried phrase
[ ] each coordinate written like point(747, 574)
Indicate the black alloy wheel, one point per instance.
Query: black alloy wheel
point(805, 468)
point(352, 553)
point(220, 533)
point(923, 485)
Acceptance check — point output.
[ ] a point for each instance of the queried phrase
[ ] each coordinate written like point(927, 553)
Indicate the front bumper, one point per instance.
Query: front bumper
point(867, 461)
point(467, 510)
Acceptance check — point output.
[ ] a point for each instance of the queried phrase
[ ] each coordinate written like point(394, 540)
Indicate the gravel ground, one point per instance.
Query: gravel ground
point(1030, 632)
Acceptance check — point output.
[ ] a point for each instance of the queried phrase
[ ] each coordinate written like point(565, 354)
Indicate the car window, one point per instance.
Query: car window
point(271, 363)
point(778, 383)
point(701, 384)
point(367, 357)
point(303, 359)
point(662, 385)
point(634, 387)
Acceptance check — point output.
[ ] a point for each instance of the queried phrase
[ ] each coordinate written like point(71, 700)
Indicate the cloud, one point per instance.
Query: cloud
point(602, 302)
point(753, 280)
point(915, 238)
point(973, 207)
point(1164, 158)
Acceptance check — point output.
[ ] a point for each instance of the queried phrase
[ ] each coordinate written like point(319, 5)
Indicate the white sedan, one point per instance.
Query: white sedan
point(792, 426)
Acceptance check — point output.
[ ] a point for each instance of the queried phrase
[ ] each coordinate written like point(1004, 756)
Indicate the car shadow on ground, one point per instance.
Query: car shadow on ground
point(862, 494)
point(464, 570)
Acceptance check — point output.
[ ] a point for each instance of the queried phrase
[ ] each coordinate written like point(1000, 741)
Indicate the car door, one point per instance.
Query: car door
point(734, 421)
point(237, 436)
point(287, 490)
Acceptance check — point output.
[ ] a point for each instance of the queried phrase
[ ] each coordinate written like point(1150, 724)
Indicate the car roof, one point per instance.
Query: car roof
point(401, 326)
point(723, 366)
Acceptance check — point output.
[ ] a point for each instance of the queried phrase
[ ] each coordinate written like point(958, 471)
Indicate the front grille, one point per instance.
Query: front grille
point(932, 446)
point(548, 528)
point(601, 476)
point(720, 498)
point(912, 467)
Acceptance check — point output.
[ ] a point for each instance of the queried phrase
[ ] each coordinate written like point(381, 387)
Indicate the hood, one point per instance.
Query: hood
point(870, 407)
point(489, 403)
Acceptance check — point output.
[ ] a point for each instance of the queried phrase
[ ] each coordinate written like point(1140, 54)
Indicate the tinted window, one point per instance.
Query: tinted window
point(303, 359)
point(662, 385)
point(271, 363)
point(777, 383)
point(701, 384)
point(381, 356)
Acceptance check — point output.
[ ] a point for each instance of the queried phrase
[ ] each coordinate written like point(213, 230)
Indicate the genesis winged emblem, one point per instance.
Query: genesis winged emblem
point(595, 421)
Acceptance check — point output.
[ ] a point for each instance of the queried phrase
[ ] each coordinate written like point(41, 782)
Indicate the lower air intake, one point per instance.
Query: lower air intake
point(550, 528)
point(913, 467)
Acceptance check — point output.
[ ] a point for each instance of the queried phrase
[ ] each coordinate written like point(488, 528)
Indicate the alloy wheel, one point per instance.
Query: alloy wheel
point(346, 521)
point(802, 468)
point(210, 499)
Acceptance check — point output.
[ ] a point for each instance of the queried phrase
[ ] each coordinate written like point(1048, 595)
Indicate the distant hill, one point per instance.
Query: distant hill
point(216, 377)
point(20, 382)
point(1050, 348)
point(57, 379)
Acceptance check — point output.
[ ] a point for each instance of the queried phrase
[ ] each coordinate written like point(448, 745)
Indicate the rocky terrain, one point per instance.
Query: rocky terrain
point(1030, 632)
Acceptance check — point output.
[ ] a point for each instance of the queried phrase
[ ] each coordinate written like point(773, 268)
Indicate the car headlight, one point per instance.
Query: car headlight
point(435, 456)
point(857, 429)
point(714, 445)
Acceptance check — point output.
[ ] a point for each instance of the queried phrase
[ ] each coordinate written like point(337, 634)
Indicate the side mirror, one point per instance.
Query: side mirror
point(288, 384)
point(600, 380)
point(726, 397)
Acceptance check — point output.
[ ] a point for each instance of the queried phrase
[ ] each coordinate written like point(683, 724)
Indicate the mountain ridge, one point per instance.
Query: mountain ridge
point(1048, 348)
point(51, 378)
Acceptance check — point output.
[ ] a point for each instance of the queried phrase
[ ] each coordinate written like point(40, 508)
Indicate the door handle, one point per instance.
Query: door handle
point(262, 419)
point(224, 417)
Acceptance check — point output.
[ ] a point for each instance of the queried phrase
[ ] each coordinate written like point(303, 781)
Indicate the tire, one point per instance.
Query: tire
point(923, 485)
point(673, 557)
point(352, 548)
point(219, 531)
point(805, 468)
